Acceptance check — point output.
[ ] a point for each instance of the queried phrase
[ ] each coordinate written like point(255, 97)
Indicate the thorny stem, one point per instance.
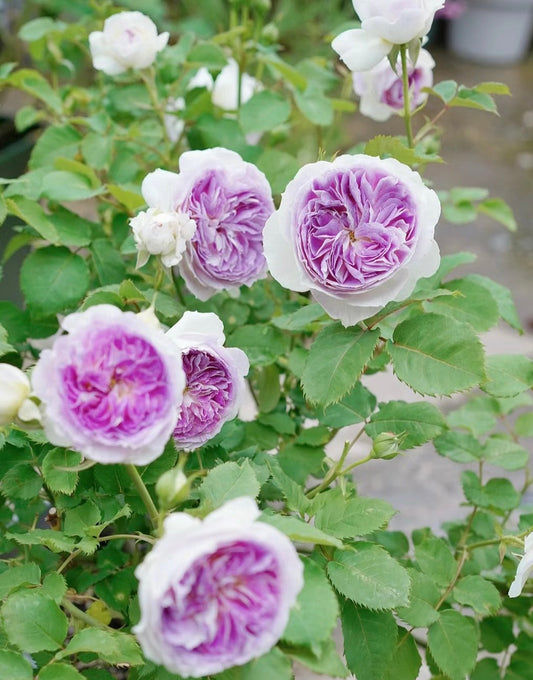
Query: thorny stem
point(406, 97)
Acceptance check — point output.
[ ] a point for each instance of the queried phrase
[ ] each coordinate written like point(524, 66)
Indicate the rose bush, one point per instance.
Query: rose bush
point(191, 504)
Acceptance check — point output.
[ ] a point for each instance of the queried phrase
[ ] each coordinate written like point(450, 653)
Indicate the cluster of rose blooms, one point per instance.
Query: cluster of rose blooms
point(356, 233)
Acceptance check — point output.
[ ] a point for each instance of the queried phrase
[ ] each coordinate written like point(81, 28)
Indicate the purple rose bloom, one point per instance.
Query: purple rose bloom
point(381, 89)
point(357, 232)
point(230, 201)
point(111, 388)
point(216, 593)
point(214, 375)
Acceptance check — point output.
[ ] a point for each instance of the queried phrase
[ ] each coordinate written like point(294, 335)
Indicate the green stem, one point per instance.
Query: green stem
point(82, 616)
point(144, 495)
point(406, 97)
point(148, 78)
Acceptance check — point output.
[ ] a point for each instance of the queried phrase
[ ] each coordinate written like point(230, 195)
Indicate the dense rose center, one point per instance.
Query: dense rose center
point(223, 601)
point(355, 228)
point(117, 386)
point(208, 392)
point(230, 220)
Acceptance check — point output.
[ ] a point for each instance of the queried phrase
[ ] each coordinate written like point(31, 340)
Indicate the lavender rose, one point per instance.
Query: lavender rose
point(381, 89)
point(357, 232)
point(215, 378)
point(230, 201)
point(216, 594)
point(129, 40)
point(384, 24)
point(111, 388)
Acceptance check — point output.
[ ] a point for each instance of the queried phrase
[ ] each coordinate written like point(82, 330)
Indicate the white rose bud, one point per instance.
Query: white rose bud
point(157, 232)
point(14, 392)
point(225, 90)
point(129, 40)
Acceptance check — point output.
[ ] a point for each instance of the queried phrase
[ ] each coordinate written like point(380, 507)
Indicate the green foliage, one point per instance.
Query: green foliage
point(73, 532)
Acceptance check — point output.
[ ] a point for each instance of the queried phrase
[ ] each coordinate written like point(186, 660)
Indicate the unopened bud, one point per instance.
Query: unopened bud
point(270, 34)
point(262, 6)
point(149, 318)
point(172, 488)
point(386, 446)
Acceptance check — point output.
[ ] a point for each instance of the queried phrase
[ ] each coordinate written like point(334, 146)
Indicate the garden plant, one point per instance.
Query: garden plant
point(214, 267)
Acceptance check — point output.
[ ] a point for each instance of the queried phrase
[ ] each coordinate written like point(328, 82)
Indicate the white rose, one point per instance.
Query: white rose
point(384, 24)
point(225, 89)
point(174, 124)
point(129, 40)
point(14, 393)
point(525, 568)
point(381, 89)
point(157, 232)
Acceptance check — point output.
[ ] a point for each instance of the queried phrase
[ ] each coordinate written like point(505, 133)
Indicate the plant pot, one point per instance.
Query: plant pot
point(492, 31)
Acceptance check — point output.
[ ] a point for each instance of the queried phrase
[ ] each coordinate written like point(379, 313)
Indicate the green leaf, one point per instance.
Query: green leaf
point(210, 131)
point(500, 450)
point(262, 344)
point(353, 408)
point(53, 280)
point(322, 658)
point(497, 633)
point(207, 54)
point(264, 111)
point(504, 300)
point(227, 481)
point(279, 167)
point(58, 480)
point(300, 319)
point(461, 447)
point(14, 666)
point(508, 375)
point(113, 647)
point(497, 493)
point(446, 90)
point(38, 28)
point(453, 642)
point(97, 150)
point(34, 622)
point(34, 83)
point(108, 262)
point(55, 586)
point(54, 540)
point(478, 415)
point(15, 577)
point(292, 492)
point(130, 200)
point(369, 640)
point(298, 530)
point(478, 593)
point(351, 517)
point(314, 615)
point(486, 669)
point(471, 303)
point(60, 671)
point(317, 108)
point(370, 577)
point(406, 661)
point(336, 360)
point(32, 213)
point(268, 395)
point(385, 146)
point(436, 560)
point(55, 142)
point(434, 354)
point(500, 211)
point(21, 481)
point(62, 185)
point(74, 231)
point(423, 599)
point(419, 421)
point(5, 347)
